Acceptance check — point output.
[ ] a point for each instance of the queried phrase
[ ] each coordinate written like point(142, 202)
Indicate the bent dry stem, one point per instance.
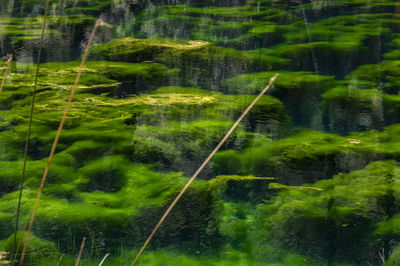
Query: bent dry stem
point(99, 22)
point(191, 180)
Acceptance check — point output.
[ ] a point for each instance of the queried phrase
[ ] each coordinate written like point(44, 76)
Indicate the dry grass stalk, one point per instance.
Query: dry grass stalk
point(59, 261)
point(8, 67)
point(280, 186)
point(55, 142)
point(105, 257)
point(191, 180)
point(80, 251)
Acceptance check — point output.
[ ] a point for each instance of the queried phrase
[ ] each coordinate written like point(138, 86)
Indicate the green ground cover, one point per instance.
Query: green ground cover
point(310, 177)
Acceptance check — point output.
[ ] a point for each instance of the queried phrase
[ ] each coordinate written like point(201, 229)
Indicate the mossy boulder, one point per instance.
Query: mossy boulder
point(243, 188)
point(383, 76)
point(308, 156)
point(350, 109)
point(35, 7)
point(339, 218)
point(124, 216)
point(193, 58)
point(36, 250)
point(317, 56)
point(238, 27)
point(299, 91)
point(62, 39)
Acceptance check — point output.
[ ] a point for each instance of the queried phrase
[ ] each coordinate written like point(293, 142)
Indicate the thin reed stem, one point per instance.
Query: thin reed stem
point(18, 244)
point(80, 251)
point(191, 180)
point(55, 142)
point(8, 67)
point(28, 133)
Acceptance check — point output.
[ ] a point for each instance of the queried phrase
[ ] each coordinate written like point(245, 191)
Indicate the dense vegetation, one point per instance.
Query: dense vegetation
point(310, 177)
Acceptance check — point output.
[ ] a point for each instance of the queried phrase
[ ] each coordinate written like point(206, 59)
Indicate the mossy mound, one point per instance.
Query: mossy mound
point(299, 91)
point(383, 75)
point(133, 208)
point(338, 220)
point(35, 7)
point(36, 250)
point(98, 77)
point(201, 63)
point(242, 27)
point(309, 155)
point(243, 188)
point(94, 182)
point(62, 38)
point(351, 109)
point(328, 58)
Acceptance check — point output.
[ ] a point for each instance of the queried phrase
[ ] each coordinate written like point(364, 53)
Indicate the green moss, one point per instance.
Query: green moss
point(70, 7)
point(132, 209)
point(106, 174)
point(299, 92)
point(384, 75)
point(309, 155)
point(341, 217)
point(243, 188)
point(193, 57)
point(235, 28)
point(181, 90)
point(352, 109)
point(233, 12)
point(22, 34)
point(37, 251)
point(301, 56)
point(394, 257)
point(350, 94)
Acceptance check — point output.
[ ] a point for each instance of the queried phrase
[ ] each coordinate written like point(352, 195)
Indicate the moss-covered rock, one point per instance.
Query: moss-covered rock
point(35, 7)
point(243, 188)
point(38, 250)
point(62, 39)
point(309, 155)
point(240, 27)
point(125, 216)
point(351, 109)
point(202, 64)
point(339, 219)
point(383, 76)
point(299, 91)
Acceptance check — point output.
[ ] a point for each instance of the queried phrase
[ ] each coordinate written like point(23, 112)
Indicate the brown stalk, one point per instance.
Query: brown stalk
point(9, 60)
point(191, 180)
point(80, 251)
point(59, 261)
point(105, 257)
point(55, 142)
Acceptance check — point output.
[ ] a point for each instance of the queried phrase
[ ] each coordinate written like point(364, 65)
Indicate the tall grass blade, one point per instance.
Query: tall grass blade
point(80, 251)
point(8, 67)
point(18, 245)
point(55, 142)
point(191, 180)
point(28, 133)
